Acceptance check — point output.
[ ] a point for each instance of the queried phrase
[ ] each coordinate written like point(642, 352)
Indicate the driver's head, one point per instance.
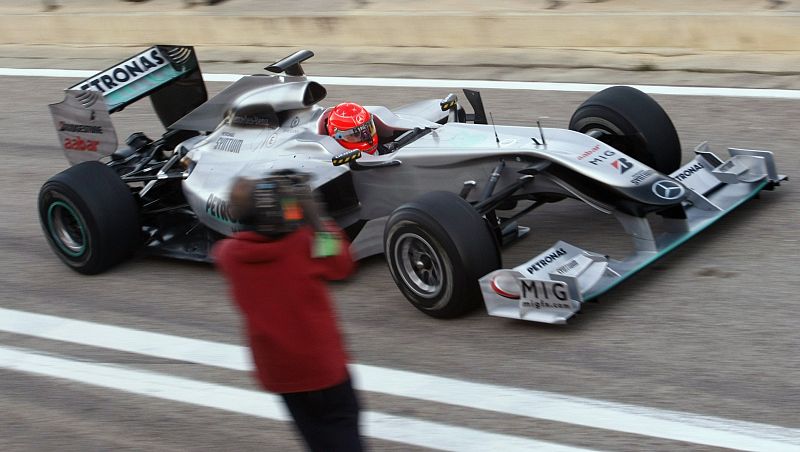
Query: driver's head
point(352, 126)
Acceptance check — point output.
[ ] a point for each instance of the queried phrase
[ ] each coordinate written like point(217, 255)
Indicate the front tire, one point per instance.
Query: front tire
point(632, 122)
point(89, 217)
point(437, 248)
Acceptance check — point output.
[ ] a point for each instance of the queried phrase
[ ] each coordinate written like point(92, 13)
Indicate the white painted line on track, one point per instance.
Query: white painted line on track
point(763, 93)
point(375, 424)
point(564, 87)
point(54, 73)
point(671, 425)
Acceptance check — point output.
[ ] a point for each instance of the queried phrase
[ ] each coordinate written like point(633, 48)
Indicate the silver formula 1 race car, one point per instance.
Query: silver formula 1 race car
point(441, 197)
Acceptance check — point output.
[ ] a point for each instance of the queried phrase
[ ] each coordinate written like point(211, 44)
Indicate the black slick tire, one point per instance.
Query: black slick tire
point(635, 123)
point(437, 248)
point(90, 217)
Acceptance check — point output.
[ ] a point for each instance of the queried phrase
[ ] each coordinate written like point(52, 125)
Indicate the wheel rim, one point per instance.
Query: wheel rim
point(598, 127)
point(419, 265)
point(66, 228)
point(596, 133)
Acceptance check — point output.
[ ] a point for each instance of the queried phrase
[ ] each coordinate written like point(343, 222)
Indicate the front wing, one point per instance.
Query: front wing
point(551, 287)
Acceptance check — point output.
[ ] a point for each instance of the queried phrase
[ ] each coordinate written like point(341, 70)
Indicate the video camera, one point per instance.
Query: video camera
point(279, 204)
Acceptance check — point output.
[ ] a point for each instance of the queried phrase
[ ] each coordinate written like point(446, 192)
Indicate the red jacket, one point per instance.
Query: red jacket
point(291, 323)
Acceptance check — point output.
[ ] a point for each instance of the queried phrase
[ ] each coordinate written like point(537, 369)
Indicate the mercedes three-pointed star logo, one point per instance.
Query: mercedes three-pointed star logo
point(667, 189)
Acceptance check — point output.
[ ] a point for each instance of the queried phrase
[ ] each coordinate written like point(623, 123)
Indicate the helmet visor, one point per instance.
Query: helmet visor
point(358, 134)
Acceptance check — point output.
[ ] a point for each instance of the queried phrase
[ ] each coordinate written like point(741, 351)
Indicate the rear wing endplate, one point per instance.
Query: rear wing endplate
point(169, 75)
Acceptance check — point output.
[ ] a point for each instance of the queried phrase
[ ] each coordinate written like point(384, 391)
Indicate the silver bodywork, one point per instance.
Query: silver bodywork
point(562, 277)
point(443, 159)
point(264, 123)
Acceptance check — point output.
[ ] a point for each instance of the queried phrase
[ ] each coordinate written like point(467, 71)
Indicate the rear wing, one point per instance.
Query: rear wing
point(169, 75)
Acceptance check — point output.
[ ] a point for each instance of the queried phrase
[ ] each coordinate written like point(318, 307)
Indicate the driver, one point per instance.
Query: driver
point(352, 126)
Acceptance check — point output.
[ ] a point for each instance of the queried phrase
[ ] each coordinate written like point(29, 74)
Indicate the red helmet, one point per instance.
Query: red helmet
point(352, 126)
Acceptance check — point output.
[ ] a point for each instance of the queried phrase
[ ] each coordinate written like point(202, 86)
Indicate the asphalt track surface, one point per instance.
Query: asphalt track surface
point(709, 330)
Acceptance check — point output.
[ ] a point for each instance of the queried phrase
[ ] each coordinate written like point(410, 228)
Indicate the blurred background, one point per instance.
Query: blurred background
point(504, 39)
point(707, 332)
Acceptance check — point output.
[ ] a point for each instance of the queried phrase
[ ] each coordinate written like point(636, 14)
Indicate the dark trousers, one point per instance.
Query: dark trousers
point(327, 418)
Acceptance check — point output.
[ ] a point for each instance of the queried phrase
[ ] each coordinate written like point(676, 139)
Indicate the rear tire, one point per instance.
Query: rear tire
point(437, 248)
point(89, 217)
point(632, 122)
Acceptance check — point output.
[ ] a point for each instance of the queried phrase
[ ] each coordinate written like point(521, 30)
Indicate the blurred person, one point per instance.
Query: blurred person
point(277, 268)
point(190, 3)
point(50, 5)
